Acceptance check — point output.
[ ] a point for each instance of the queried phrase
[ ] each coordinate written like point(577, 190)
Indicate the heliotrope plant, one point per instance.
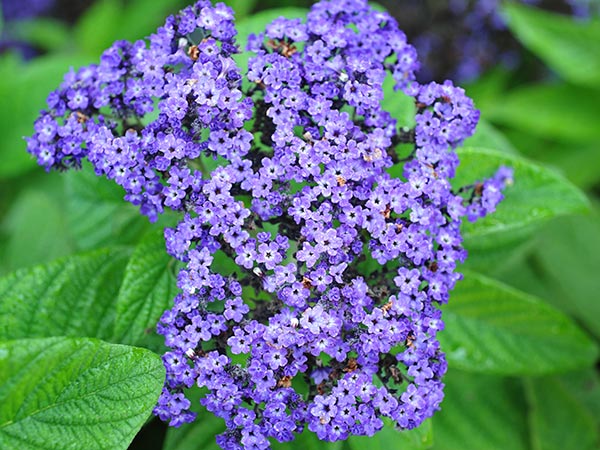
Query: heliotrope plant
point(328, 314)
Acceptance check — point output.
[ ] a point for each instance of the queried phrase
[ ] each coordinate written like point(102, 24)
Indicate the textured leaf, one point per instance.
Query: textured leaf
point(97, 213)
point(493, 328)
point(557, 420)
point(558, 111)
point(71, 394)
point(570, 47)
point(481, 412)
point(537, 195)
point(74, 296)
point(147, 291)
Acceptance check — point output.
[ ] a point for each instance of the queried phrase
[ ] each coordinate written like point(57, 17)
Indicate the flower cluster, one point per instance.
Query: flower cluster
point(144, 112)
point(308, 296)
point(463, 38)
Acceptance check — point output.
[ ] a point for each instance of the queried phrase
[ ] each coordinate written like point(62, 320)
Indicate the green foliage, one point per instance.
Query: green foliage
point(540, 110)
point(571, 48)
point(148, 289)
point(549, 413)
point(109, 20)
point(537, 195)
point(198, 435)
point(420, 438)
point(487, 136)
point(42, 32)
point(64, 393)
point(74, 296)
point(97, 213)
point(563, 268)
point(493, 328)
point(481, 412)
point(34, 226)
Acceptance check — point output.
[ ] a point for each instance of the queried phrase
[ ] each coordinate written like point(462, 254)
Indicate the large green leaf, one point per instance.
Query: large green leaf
point(147, 291)
point(537, 195)
point(97, 213)
point(70, 394)
point(74, 296)
point(558, 421)
point(563, 268)
point(481, 412)
point(493, 328)
point(553, 110)
point(571, 48)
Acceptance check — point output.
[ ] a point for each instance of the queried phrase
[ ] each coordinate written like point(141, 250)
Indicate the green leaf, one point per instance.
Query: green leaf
point(563, 267)
point(68, 394)
point(537, 195)
point(109, 20)
point(578, 161)
point(398, 104)
point(487, 136)
point(557, 420)
point(570, 47)
point(73, 296)
point(97, 213)
point(558, 111)
point(493, 328)
point(585, 387)
point(98, 26)
point(489, 87)
point(480, 412)
point(35, 226)
point(147, 291)
point(390, 438)
point(197, 435)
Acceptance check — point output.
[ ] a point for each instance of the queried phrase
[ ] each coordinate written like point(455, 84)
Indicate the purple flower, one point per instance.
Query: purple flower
point(300, 253)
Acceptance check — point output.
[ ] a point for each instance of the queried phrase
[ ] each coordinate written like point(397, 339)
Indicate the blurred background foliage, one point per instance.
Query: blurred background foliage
point(515, 382)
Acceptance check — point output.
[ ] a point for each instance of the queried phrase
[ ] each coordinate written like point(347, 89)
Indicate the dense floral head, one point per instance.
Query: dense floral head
point(311, 278)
